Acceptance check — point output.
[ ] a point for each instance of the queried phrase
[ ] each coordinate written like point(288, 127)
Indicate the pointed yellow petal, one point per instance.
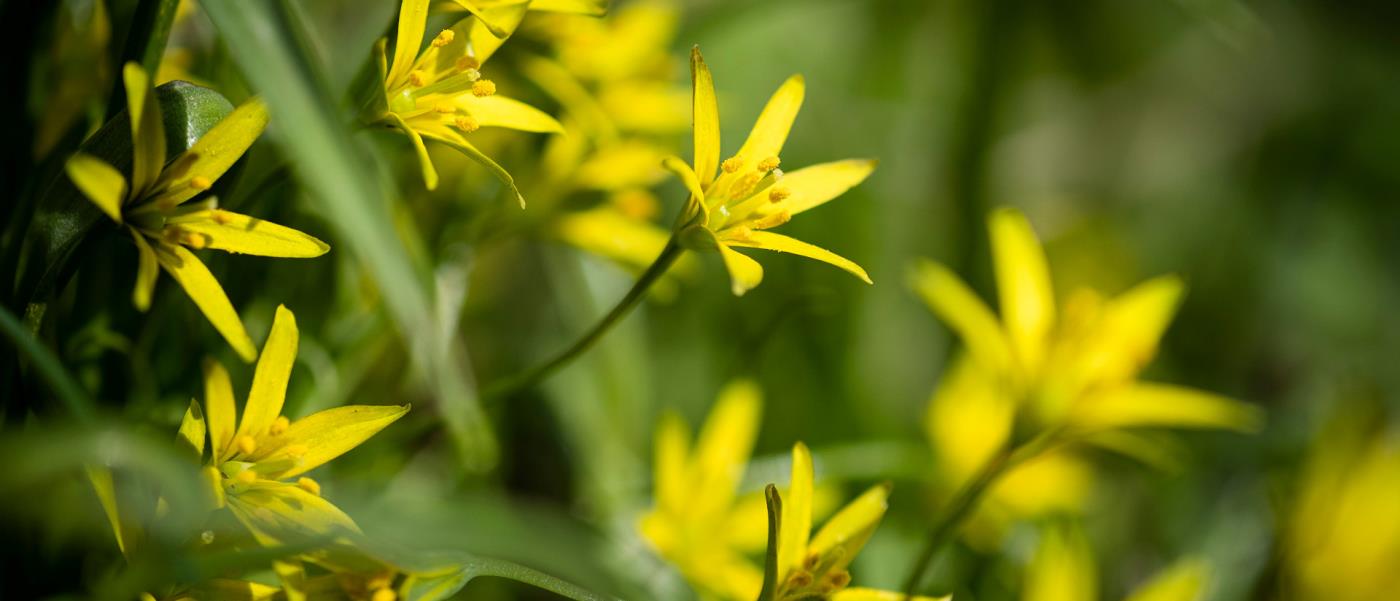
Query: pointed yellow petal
point(770, 132)
point(1023, 285)
point(455, 140)
point(1062, 569)
point(607, 232)
point(796, 524)
point(723, 447)
point(270, 378)
point(1131, 325)
point(594, 8)
point(965, 314)
point(869, 594)
point(102, 484)
point(413, 19)
point(851, 527)
point(223, 416)
point(322, 436)
point(670, 472)
point(499, 111)
point(208, 295)
point(686, 175)
point(99, 182)
point(425, 162)
point(214, 153)
point(192, 428)
point(812, 186)
point(1148, 405)
point(147, 269)
point(780, 243)
point(705, 112)
point(744, 273)
point(147, 131)
point(1184, 581)
point(236, 233)
point(969, 419)
point(280, 513)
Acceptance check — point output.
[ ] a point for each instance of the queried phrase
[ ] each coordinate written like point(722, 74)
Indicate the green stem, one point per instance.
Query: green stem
point(50, 369)
point(967, 498)
point(534, 375)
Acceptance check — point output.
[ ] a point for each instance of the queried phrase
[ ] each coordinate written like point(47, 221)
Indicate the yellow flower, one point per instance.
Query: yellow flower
point(1343, 531)
point(257, 464)
point(814, 566)
point(734, 203)
point(696, 491)
point(441, 94)
point(1077, 371)
point(1063, 570)
point(154, 205)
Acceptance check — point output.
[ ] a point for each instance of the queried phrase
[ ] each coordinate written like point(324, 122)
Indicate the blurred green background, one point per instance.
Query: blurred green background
point(1253, 148)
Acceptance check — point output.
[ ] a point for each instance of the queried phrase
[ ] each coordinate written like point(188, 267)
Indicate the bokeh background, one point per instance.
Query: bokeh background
point(1253, 148)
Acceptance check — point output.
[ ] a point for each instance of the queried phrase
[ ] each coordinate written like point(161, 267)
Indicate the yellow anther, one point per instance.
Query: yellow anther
point(312, 487)
point(769, 164)
point(799, 579)
point(417, 78)
point(779, 194)
point(443, 38)
point(467, 123)
point(220, 216)
point(739, 233)
point(741, 188)
point(383, 594)
point(810, 562)
point(467, 62)
point(772, 221)
point(246, 444)
point(732, 164)
point(839, 579)
point(195, 240)
point(445, 108)
point(279, 425)
point(246, 477)
point(199, 182)
point(380, 580)
point(483, 87)
point(295, 451)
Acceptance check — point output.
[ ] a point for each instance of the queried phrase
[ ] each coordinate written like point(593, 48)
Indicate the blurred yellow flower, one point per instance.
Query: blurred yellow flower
point(1063, 569)
point(1343, 533)
point(734, 203)
point(252, 461)
point(696, 490)
point(814, 566)
point(154, 207)
point(440, 93)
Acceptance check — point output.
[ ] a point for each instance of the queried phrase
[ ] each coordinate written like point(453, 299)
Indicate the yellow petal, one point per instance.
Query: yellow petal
point(1183, 581)
point(225, 589)
point(498, 111)
point(493, 25)
point(1062, 569)
point(780, 243)
point(705, 112)
point(281, 513)
point(223, 416)
point(723, 447)
point(815, 185)
point(686, 175)
point(208, 295)
point(213, 154)
point(1023, 285)
point(670, 477)
point(1126, 336)
point(413, 19)
point(965, 314)
point(580, 7)
point(293, 577)
point(102, 484)
point(870, 594)
point(1162, 406)
point(147, 131)
point(605, 231)
point(328, 434)
point(147, 269)
point(425, 162)
point(99, 182)
point(192, 429)
point(744, 273)
point(796, 524)
point(455, 140)
point(270, 378)
point(236, 233)
point(969, 419)
point(771, 130)
point(851, 527)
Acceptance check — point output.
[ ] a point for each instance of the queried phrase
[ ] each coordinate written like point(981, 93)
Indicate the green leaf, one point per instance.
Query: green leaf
point(69, 392)
point(347, 193)
point(769, 590)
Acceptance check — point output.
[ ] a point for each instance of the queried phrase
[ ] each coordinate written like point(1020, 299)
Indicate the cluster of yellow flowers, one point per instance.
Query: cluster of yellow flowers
point(1034, 386)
